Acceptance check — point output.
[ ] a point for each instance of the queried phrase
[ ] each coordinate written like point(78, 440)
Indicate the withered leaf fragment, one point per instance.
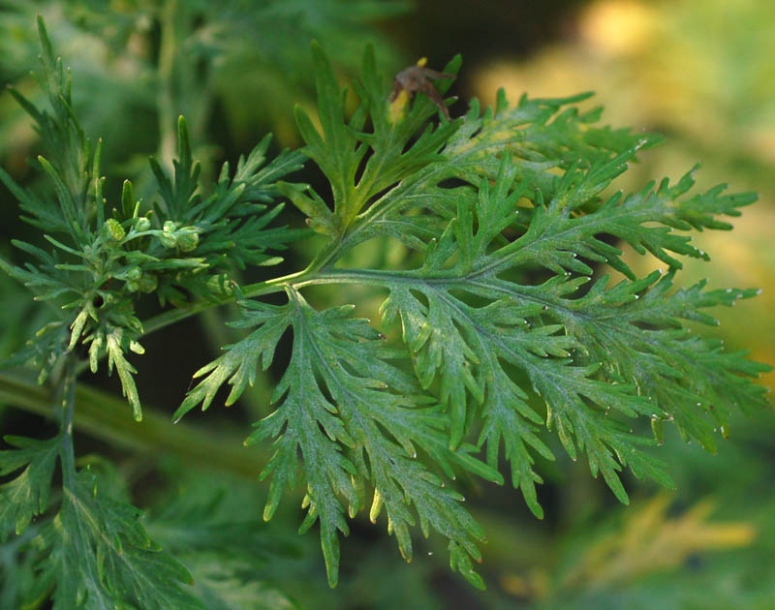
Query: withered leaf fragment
point(418, 78)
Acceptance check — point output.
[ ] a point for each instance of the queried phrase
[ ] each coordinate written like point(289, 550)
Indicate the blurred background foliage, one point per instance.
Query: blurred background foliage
point(701, 72)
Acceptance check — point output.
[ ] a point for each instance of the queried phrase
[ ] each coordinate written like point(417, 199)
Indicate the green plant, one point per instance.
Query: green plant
point(495, 323)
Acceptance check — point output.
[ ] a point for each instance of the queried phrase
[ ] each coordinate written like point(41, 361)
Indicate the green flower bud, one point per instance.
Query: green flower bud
point(133, 274)
point(168, 238)
point(188, 239)
point(142, 224)
point(142, 282)
point(113, 230)
point(148, 283)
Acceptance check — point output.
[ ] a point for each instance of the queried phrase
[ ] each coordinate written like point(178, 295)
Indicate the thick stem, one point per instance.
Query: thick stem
point(107, 418)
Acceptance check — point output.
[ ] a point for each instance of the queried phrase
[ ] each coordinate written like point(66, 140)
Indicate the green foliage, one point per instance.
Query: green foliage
point(92, 552)
point(145, 60)
point(26, 496)
point(100, 263)
point(498, 323)
point(95, 554)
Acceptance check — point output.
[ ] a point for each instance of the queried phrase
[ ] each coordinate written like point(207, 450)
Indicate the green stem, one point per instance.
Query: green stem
point(66, 392)
point(167, 78)
point(251, 291)
point(71, 500)
point(107, 418)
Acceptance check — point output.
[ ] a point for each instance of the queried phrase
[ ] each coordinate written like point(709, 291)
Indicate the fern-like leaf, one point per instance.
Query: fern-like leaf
point(26, 496)
point(96, 554)
point(505, 218)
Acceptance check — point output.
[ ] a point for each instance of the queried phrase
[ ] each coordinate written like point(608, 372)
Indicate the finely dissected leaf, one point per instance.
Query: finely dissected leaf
point(100, 556)
point(99, 267)
point(341, 146)
point(236, 218)
point(432, 334)
point(308, 430)
point(27, 495)
point(503, 335)
point(501, 221)
point(179, 194)
point(239, 364)
point(344, 412)
point(634, 330)
point(115, 349)
point(488, 203)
